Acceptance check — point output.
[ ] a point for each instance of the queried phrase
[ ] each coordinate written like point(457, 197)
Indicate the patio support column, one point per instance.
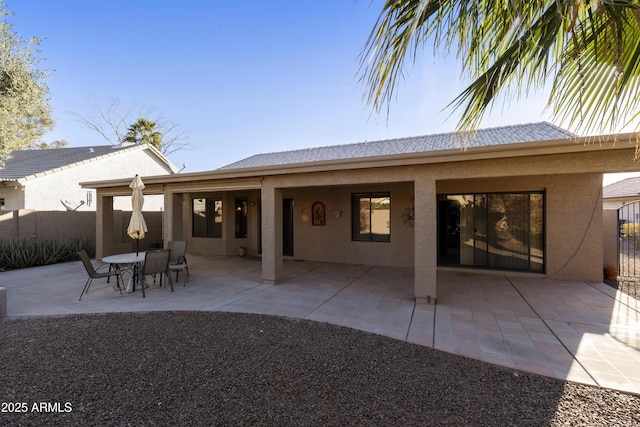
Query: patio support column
point(167, 219)
point(271, 235)
point(183, 219)
point(426, 237)
point(104, 225)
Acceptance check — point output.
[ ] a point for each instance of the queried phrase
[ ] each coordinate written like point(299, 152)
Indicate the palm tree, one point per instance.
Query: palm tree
point(589, 50)
point(144, 131)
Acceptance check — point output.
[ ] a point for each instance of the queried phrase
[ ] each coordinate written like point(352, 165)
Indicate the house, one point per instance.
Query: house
point(621, 203)
point(620, 193)
point(524, 199)
point(48, 180)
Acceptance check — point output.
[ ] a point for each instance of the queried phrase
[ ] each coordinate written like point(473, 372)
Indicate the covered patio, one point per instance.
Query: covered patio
point(523, 198)
point(574, 330)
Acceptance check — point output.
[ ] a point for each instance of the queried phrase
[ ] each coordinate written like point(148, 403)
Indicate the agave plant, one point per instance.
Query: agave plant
point(24, 253)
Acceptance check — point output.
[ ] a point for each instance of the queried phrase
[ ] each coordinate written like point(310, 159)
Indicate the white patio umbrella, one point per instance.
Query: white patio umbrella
point(137, 227)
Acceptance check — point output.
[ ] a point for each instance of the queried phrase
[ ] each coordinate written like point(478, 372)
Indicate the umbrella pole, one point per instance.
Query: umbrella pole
point(137, 243)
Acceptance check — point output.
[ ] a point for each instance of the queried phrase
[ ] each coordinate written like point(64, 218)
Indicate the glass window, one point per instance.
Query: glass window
point(371, 217)
point(207, 218)
point(241, 217)
point(492, 230)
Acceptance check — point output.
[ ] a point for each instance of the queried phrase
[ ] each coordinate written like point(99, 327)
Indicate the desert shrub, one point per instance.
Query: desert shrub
point(630, 229)
point(24, 253)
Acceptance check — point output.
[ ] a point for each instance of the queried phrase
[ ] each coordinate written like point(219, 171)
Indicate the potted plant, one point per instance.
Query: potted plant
point(242, 251)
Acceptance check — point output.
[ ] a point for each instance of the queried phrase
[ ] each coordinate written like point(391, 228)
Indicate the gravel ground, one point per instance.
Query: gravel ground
point(629, 273)
point(630, 286)
point(211, 368)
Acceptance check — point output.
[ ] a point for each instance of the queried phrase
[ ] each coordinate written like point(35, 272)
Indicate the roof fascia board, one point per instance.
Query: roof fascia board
point(164, 159)
point(208, 187)
point(533, 148)
point(124, 190)
point(119, 187)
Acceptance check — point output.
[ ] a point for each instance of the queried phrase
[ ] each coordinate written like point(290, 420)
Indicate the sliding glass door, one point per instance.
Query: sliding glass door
point(492, 230)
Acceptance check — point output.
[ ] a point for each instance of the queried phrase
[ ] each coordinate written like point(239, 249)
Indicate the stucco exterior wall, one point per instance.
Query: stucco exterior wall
point(332, 242)
point(615, 204)
point(573, 219)
point(45, 192)
point(13, 197)
point(572, 183)
point(228, 244)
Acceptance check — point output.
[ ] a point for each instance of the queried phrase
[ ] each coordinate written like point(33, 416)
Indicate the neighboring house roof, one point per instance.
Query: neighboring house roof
point(541, 131)
point(28, 164)
point(629, 187)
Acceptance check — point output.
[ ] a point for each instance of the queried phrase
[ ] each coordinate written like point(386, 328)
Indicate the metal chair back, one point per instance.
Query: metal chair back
point(94, 274)
point(178, 250)
point(178, 260)
point(86, 261)
point(156, 261)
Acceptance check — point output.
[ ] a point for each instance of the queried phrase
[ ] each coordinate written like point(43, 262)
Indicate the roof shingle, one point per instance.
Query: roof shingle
point(24, 163)
point(428, 143)
point(629, 187)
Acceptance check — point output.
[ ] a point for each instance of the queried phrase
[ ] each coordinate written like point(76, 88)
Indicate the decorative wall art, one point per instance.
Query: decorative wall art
point(318, 214)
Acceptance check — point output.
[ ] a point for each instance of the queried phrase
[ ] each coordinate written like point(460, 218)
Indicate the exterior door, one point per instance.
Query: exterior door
point(492, 230)
point(287, 227)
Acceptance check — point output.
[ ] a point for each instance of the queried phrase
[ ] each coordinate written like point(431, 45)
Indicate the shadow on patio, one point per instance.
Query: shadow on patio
point(583, 332)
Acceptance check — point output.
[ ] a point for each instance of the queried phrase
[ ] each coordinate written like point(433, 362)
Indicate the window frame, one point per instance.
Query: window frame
point(487, 262)
point(356, 233)
point(212, 225)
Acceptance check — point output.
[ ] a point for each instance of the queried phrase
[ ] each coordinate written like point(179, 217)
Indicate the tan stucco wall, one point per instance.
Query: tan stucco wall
point(228, 244)
point(332, 242)
point(573, 222)
point(572, 183)
point(573, 218)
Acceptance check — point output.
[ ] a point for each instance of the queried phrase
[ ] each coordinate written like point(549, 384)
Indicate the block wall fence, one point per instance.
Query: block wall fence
point(62, 225)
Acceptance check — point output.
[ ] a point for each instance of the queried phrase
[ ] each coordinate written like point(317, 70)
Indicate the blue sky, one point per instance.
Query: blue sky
point(240, 77)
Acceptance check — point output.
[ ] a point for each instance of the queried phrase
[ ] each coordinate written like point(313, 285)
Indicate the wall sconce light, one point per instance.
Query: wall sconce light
point(337, 213)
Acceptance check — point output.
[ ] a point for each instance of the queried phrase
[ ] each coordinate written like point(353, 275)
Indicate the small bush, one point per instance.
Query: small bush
point(24, 253)
point(630, 229)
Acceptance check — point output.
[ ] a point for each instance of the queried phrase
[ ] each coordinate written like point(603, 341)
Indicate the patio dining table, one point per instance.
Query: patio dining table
point(128, 262)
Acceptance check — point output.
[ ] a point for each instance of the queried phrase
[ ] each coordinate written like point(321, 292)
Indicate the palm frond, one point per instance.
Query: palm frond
point(590, 50)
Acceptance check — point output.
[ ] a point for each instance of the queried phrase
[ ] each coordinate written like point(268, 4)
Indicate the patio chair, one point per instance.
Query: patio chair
point(178, 261)
point(95, 274)
point(156, 261)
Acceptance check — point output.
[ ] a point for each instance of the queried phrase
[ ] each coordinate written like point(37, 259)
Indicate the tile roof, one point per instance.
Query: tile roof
point(629, 187)
point(25, 163)
point(417, 144)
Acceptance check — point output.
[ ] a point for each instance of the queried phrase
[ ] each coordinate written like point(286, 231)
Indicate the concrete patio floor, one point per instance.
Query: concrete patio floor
point(583, 332)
